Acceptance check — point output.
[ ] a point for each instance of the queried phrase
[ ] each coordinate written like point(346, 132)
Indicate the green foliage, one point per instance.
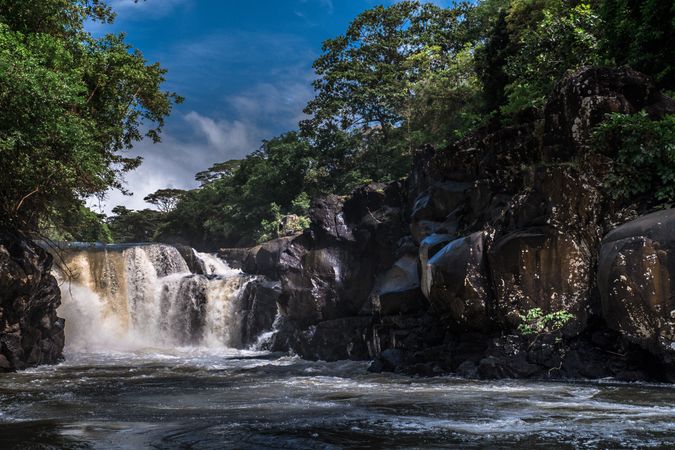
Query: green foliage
point(563, 39)
point(269, 228)
point(536, 323)
point(391, 71)
point(134, 226)
point(643, 156)
point(165, 199)
point(398, 77)
point(639, 33)
point(78, 223)
point(242, 201)
point(71, 104)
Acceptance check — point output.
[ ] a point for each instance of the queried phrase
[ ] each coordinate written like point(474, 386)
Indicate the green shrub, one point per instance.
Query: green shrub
point(536, 323)
point(643, 155)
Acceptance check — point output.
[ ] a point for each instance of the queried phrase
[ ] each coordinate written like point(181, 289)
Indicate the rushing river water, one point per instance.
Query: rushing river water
point(191, 398)
point(150, 364)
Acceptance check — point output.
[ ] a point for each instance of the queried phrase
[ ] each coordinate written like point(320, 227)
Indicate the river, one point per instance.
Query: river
point(193, 398)
point(150, 362)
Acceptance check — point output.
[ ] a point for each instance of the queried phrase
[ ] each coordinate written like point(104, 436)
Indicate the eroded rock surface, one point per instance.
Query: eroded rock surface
point(434, 275)
point(636, 279)
point(31, 333)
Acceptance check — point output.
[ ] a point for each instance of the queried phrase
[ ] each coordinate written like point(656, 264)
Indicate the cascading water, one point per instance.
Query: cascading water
point(145, 296)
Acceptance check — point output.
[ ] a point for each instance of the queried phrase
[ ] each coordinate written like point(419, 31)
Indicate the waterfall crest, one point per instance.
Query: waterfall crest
point(145, 297)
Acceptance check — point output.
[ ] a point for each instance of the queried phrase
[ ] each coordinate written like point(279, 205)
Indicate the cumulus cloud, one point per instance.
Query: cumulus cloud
point(241, 87)
point(282, 103)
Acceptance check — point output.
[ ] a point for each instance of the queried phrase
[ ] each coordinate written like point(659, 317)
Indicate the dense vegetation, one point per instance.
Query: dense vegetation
point(400, 76)
point(71, 105)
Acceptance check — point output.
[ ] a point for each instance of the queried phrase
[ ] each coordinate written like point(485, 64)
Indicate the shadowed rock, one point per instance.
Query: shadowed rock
point(455, 282)
point(636, 277)
point(30, 331)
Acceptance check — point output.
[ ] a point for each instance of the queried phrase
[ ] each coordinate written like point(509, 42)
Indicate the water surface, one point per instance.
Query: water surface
point(203, 398)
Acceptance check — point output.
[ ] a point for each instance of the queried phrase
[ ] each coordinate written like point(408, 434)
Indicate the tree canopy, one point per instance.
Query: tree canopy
point(72, 104)
point(400, 76)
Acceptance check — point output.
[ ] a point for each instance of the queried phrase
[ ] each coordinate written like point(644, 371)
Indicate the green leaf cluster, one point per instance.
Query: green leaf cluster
point(642, 156)
point(536, 323)
point(71, 105)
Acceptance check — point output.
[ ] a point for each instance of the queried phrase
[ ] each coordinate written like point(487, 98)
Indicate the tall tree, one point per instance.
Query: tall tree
point(165, 199)
point(640, 33)
point(71, 105)
point(369, 80)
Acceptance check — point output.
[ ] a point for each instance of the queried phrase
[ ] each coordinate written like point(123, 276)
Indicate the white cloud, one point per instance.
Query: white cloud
point(219, 122)
point(280, 103)
point(234, 138)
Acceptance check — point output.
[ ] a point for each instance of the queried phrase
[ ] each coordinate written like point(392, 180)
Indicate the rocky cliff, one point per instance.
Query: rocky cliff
point(30, 331)
point(500, 256)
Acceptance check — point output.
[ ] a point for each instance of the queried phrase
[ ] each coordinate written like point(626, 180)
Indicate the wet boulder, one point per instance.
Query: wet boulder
point(455, 282)
point(259, 308)
point(262, 259)
point(540, 267)
point(435, 210)
point(329, 340)
point(329, 272)
point(397, 291)
point(636, 279)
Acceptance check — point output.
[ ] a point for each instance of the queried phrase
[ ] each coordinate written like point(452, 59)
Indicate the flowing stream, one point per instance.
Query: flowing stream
point(153, 359)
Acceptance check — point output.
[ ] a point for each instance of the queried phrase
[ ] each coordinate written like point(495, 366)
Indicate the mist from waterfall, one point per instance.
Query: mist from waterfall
point(146, 297)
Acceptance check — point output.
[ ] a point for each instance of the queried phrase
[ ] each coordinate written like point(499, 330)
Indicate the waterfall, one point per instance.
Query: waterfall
point(145, 296)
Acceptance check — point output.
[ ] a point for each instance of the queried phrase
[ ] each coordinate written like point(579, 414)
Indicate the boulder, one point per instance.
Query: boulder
point(636, 279)
point(262, 259)
point(435, 210)
point(540, 267)
point(581, 100)
point(259, 308)
point(330, 340)
point(397, 291)
point(455, 282)
point(31, 333)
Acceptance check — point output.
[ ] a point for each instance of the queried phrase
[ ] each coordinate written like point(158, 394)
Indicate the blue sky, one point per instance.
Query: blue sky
point(243, 66)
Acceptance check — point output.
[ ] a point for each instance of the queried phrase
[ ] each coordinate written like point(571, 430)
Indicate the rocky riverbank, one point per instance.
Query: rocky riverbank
point(502, 255)
point(31, 333)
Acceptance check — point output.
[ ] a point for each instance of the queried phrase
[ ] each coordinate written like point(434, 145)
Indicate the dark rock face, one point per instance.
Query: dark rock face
point(540, 268)
point(455, 282)
point(434, 275)
point(259, 308)
point(330, 272)
point(636, 279)
point(581, 100)
point(397, 291)
point(30, 331)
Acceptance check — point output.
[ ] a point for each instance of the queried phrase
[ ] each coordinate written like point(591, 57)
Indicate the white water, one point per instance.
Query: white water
point(146, 298)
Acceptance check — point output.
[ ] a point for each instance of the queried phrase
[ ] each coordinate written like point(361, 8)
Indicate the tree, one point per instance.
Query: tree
point(639, 33)
point(127, 225)
point(369, 79)
point(165, 199)
point(236, 198)
point(71, 105)
point(217, 171)
point(491, 64)
point(550, 37)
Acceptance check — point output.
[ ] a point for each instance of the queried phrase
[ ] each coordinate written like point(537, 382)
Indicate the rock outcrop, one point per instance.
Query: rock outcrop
point(440, 274)
point(636, 280)
point(31, 333)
